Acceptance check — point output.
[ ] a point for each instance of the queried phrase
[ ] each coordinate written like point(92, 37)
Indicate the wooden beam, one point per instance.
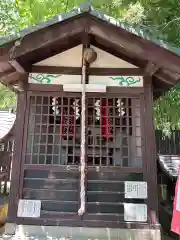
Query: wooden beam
point(149, 150)
point(143, 48)
point(17, 66)
point(56, 70)
point(45, 37)
point(166, 78)
point(18, 152)
point(20, 85)
point(7, 72)
point(118, 52)
point(13, 78)
point(91, 71)
point(46, 52)
point(5, 67)
point(9, 78)
point(44, 87)
point(150, 69)
point(116, 71)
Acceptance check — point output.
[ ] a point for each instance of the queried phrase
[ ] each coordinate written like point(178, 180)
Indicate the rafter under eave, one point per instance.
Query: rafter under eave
point(15, 64)
point(13, 78)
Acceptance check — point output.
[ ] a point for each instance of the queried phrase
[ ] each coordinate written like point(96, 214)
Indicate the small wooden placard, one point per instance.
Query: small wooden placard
point(135, 190)
point(135, 212)
point(29, 208)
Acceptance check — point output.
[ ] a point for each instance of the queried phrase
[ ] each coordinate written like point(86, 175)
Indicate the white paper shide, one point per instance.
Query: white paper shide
point(135, 212)
point(29, 208)
point(135, 190)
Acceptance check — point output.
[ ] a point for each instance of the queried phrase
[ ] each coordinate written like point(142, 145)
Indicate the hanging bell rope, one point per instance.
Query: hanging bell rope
point(89, 56)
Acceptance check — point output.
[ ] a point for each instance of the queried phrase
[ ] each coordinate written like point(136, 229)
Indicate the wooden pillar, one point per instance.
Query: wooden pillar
point(16, 165)
point(150, 156)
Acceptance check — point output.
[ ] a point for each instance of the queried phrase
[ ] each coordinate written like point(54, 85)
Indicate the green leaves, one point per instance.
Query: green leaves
point(9, 17)
point(7, 98)
point(166, 110)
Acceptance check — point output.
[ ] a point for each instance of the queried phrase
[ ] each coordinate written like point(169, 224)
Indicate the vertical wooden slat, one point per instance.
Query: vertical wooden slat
point(40, 126)
point(92, 133)
point(108, 118)
point(24, 144)
point(16, 165)
point(54, 131)
point(46, 158)
point(134, 149)
point(33, 129)
point(74, 126)
point(60, 142)
point(114, 131)
point(143, 136)
point(150, 151)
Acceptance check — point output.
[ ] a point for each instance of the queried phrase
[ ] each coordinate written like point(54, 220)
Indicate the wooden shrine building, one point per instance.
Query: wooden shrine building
point(85, 156)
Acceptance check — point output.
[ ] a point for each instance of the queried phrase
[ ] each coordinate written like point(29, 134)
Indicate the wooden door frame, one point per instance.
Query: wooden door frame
point(149, 150)
point(17, 163)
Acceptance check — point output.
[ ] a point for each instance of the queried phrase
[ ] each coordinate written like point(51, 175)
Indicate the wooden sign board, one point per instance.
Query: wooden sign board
point(135, 212)
point(135, 190)
point(111, 81)
point(29, 208)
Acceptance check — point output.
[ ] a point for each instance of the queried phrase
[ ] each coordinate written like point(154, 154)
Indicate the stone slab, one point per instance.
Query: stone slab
point(26, 232)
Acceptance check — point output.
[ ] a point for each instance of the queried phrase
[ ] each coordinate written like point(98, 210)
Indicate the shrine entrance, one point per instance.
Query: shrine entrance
point(52, 155)
point(113, 133)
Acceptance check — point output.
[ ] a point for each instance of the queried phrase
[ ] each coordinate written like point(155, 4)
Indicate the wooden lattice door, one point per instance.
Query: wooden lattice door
point(113, 154)
point(52, 155)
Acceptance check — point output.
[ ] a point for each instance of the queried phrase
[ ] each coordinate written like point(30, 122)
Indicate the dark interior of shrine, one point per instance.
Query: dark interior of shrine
point(55, 135)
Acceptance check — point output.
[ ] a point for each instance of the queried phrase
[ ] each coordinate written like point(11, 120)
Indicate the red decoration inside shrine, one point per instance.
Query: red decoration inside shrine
point(106, 119)
point(68, 123)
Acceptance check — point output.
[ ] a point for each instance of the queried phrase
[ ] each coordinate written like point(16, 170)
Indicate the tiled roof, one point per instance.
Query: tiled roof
point(139, 30)
point(7, 121)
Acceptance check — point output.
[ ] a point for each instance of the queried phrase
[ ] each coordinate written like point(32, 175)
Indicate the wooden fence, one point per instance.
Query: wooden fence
point(168, 145)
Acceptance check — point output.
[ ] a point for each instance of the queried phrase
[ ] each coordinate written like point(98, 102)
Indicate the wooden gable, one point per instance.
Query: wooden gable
point(69, 58)
point(73, 58)
point(107, 60)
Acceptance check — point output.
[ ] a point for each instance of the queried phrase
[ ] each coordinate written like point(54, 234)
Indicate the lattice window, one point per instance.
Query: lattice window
point(137, 132)
point(54, 131)
point(111, 137)
point(113, 133)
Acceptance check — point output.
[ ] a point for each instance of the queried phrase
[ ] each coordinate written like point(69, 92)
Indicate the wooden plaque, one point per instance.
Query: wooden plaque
point(29, 208)
point(135, 190)
point(135, 212)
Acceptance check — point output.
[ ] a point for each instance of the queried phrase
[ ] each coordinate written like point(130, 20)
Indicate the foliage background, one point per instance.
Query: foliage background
point(159, 17)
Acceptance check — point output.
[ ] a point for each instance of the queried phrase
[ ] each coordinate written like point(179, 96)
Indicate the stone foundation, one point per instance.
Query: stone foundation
point(25, 232)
